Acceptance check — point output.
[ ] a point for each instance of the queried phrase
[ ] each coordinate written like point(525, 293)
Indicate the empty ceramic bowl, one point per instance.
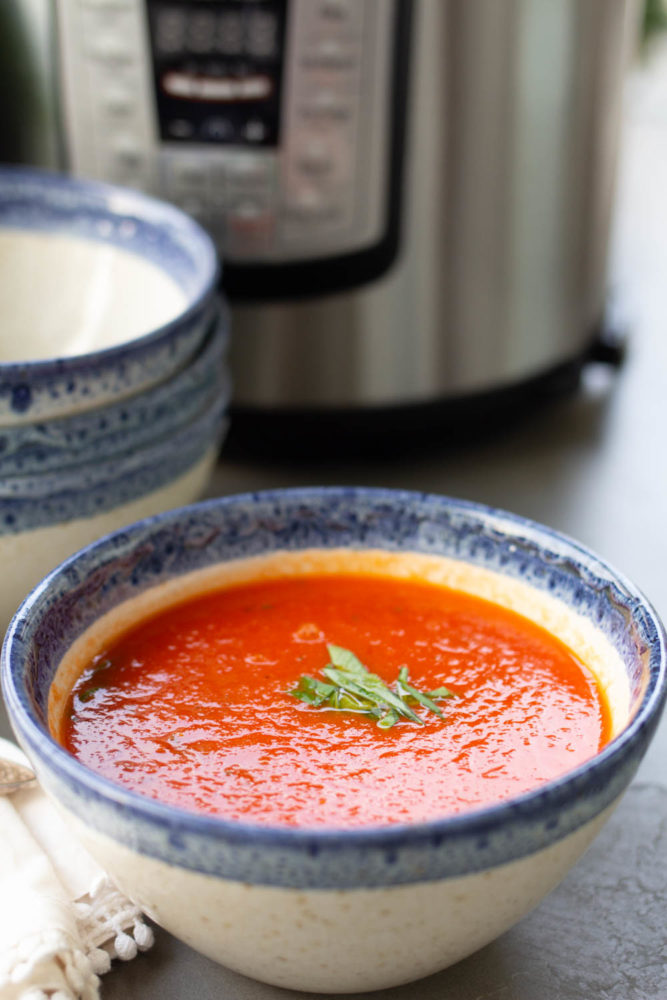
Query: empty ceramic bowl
point(336, 909)
point(103, 293)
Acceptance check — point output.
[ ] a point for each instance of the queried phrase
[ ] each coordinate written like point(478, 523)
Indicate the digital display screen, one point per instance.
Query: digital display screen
point(218, 67)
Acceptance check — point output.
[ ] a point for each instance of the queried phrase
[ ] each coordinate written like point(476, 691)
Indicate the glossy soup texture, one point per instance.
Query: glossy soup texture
point(192, 706)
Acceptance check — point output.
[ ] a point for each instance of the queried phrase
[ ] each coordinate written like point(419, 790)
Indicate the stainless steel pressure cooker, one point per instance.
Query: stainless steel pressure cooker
point(412, 198)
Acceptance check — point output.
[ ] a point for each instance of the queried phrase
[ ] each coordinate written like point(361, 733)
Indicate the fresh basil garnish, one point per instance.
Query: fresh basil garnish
point(353, 688)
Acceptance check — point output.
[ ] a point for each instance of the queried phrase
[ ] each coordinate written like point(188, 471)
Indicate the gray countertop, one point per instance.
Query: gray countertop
point(593, 466)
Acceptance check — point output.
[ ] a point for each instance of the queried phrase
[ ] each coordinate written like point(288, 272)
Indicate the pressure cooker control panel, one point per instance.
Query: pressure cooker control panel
point(270, 121)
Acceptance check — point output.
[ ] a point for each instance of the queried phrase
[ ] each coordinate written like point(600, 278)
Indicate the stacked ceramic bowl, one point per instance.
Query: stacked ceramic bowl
point(113, 378)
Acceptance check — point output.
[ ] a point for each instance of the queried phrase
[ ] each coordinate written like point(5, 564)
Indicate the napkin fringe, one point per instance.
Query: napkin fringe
point(62, 919)
point(57, 958)
point(106, 917)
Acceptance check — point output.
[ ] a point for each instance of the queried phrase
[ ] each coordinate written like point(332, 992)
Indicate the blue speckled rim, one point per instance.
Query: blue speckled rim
point(110, 483)
point(58, 200)
point(127, 562)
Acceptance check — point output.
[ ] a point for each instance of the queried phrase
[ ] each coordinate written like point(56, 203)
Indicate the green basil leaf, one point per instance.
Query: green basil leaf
point(312, 691)
point(353, 688)
point(413, 692)
point(349, 672)
point(441, 692)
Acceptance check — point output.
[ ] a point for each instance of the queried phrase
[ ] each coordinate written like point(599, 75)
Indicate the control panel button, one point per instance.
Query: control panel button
point(117, 103)
point(254, 130)
point(216, 128)
point(128, 153)
point(323, 160)
point(109, 48)
point(187, 173)
point(250, 227)
point(180, 128)
point(123, 161)
point(311, 210)
point(331, 54)
point(306, 204)
point(315, 158)
point(249, 169)
point(327, 105)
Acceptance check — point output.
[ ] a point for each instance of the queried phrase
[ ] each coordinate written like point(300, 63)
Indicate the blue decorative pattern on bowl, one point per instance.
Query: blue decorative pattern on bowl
point(128, 425)
point(95, 487)
point(131, 561)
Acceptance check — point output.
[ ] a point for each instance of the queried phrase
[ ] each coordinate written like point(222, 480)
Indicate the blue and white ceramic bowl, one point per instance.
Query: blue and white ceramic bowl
point(337, 910)
point(45, 518)
point(51, 447)
point(103, 293)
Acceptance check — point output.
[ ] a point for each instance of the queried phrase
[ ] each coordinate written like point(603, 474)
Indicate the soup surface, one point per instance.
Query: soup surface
point(194, 706)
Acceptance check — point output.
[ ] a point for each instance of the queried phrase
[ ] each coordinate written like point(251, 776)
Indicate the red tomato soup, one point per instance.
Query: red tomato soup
point(193, 706)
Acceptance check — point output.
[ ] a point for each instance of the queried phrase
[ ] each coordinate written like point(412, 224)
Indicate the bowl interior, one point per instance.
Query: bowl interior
point(161, 550)
point(100, 296)
point(85, 268)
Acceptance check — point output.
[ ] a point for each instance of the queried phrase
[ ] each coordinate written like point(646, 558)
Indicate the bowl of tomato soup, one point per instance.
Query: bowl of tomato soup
point(336, 721)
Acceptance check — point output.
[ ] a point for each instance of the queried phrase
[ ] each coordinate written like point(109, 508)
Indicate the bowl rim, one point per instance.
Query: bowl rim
point(478, 822)
point(112, 198)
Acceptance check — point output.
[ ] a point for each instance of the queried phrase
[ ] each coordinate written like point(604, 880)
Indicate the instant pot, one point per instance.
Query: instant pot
point(412, 199)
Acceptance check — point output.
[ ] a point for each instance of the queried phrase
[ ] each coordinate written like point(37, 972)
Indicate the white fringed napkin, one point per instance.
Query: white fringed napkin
point(62, 920)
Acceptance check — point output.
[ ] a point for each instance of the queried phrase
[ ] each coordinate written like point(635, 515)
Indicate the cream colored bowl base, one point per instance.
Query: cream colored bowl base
point(338, 941)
